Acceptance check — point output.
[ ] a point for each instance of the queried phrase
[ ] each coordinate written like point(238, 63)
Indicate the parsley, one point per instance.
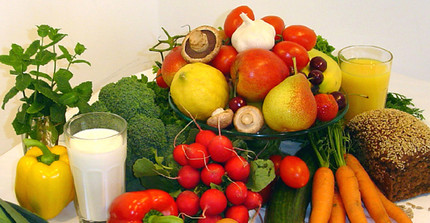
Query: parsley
point(323, 46)
point(402, 103)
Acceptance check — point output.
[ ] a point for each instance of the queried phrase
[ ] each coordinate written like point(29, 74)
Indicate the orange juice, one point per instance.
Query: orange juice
point(365, 82)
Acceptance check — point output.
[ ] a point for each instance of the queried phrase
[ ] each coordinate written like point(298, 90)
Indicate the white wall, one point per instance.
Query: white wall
point(118, 34)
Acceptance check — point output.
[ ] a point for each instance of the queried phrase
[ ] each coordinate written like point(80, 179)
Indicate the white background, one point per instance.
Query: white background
point(118, 34)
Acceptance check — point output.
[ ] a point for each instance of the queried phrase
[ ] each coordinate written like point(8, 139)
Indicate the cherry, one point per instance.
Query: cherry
point(316, 77)
point(318, 63)
point(340, 99)
point(236, 103)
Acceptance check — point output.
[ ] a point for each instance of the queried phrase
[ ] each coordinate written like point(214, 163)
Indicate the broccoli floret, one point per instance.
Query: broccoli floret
point(98, 106)
point(129, 96)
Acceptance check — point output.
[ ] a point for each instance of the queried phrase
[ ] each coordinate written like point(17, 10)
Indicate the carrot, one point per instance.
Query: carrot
point(338, 214)
point(368, 191)
point(322, 195)
point(394, 211)
point(350, 193)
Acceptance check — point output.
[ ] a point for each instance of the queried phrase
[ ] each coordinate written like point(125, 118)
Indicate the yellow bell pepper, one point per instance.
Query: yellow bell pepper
point(44, 182)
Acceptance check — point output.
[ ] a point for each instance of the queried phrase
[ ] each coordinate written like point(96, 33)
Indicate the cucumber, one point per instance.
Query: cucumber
point(288, 204)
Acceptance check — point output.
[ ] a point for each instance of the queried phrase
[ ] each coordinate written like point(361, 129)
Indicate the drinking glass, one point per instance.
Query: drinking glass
point(365, 77)
point(97, 149)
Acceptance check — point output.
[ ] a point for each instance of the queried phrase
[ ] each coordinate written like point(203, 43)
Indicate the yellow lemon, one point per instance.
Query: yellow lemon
point(198, 89)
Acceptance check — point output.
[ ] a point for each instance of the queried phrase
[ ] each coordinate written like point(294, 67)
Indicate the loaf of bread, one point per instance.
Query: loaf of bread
point(394, 148)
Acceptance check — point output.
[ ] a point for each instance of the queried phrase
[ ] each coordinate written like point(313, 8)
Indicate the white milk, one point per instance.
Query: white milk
point(97, 160)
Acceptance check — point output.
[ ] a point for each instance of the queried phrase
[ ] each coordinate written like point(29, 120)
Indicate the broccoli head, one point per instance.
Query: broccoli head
point(129, 96)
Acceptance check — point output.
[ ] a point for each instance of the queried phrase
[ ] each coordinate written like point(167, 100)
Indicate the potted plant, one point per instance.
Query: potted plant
point(45, 87)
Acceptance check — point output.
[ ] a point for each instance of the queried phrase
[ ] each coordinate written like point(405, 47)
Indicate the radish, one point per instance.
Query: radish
point(238, 213)
point(204, 137)
point(188, 177)
point(179, 154)
point(213, 173)
point(237, 168)
point(188, 203)
point(253, 200)
point(209, 219)
point(197, 155)
point(213, 202)
point(236, 192)
point(220, 149)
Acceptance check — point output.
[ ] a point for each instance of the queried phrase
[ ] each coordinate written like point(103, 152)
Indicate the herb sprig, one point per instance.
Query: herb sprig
point(402, 103)
point(43, 93)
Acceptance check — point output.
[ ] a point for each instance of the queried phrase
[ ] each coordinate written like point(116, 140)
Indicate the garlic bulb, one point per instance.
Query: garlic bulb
point(253, 34)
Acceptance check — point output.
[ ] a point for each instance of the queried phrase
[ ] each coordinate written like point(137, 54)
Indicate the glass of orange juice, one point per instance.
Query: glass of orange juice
point(365, 77)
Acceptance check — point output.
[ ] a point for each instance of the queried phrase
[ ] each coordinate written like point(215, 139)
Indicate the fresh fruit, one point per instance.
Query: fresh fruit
point(340, 99)
point(277, 23)
point(224, 59)
point(287, 50)
point(327, 107)
point(276, 159)
point(171, 64)
point(198, 89)
point(316, 77)
point(290, 106)
point(235, 103)
point(227, 220)
point(159, 80)
point(294, 172)
point(332, 75)
point(255, 72)
point(318, 63)
point(234, 20)
point(300, 34)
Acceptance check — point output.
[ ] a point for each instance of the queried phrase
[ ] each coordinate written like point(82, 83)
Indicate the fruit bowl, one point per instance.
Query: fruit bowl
point(265, 133)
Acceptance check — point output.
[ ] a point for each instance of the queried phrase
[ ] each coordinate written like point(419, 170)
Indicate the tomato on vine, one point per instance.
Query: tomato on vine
point(233, 19)
point(159, 80)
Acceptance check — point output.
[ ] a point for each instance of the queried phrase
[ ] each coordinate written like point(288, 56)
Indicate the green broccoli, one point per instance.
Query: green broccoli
point(130, 96)
point(98, 106)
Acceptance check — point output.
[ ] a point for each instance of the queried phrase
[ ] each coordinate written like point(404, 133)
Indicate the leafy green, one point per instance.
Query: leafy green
point(323, 46)
point(261, 174)
point(14, 214)
point(45, 94)
point(402, 103)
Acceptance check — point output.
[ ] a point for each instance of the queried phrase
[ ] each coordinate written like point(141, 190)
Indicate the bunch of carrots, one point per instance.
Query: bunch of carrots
point(339, 190)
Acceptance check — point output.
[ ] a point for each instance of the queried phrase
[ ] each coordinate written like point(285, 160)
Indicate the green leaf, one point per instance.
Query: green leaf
point(44, 57)
point(79, 48)
point(84, 91)
point(20, 122)
point(8, 60)
point(3, 216)
point(82, 61)
point(46, 90)
point(65, 54)
point(41, 74)
point(35, 107)
point(57, 113)
point(55, 39)
point(10, 94)
point(16, 50)
point(43, 30)
point(261, 174)
point(16, 216)
point(22, 81)
point(62, 77)
point(83, 107)
point(32, 49)
point(144, 167)
point(69, 99)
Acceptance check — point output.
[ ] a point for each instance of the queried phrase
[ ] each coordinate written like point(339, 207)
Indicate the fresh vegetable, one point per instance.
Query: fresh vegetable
point(133, 206)
point(237, 168)
point(220, 149)
point(294, 172)
point(171, 64)
point(212, 174)
point(402, 103)
point(201, 44)
point(11, 213)
point(233, 20)
point(213, 202)
point(277, 23)
point(224, 59)
point(323, 46)
point(394, 211)
point(287, 50)
point(248, 119)
point(154, 216)
point(43, 93)
point(288, 204)
point(188, 203)
point(197, 155)
point(44, 182)
point(338, 214)
point(238, 212)
point(253, 34)
point(188, 177)
point(236, 192)
point(368, 191)
point(160, 80)
point(253, 200)
point(300, 34)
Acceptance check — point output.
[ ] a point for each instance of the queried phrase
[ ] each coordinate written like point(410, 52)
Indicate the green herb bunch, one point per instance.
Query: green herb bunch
point(45, 93)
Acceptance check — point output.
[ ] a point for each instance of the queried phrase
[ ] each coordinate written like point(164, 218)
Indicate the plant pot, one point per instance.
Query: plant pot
point(42, 129)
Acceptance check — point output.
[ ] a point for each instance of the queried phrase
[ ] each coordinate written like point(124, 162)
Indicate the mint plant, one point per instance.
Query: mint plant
point(45, 93)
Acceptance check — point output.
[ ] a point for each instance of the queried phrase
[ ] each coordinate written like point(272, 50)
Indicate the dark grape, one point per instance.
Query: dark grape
point(318, 63)
point(316, 77)
point(236, 103)
point(340, 99)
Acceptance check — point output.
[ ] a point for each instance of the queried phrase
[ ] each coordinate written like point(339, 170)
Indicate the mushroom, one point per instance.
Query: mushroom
point(220, 118)
point(202, 44)
point(248, 119)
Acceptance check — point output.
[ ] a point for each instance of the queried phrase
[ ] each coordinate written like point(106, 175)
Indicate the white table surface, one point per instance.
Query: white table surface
point(410, 87)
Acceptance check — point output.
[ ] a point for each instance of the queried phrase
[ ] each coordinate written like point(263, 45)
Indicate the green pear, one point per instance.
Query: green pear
point(290, 106)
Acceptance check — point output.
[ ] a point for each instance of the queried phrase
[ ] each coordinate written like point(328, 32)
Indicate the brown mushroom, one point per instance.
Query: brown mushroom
point(202, 44)
point(248, 119)
point(220, 118)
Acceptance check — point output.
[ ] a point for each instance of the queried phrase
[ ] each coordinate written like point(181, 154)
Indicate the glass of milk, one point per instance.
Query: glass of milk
point(97, 148)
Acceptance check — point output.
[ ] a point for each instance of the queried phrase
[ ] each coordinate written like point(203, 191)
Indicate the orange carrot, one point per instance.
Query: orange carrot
point(369, 194)
point(349, 191)
point(394, 211)
point(338, 214)
point(322, 195)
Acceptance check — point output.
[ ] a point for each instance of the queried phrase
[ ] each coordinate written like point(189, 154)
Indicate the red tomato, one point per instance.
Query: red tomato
point(224, 59)
point(300, 34)
point(276, 159)
point(233, 19)
point(159, 80)
point(286, 50)
point(277, 23)
point(294, 172)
